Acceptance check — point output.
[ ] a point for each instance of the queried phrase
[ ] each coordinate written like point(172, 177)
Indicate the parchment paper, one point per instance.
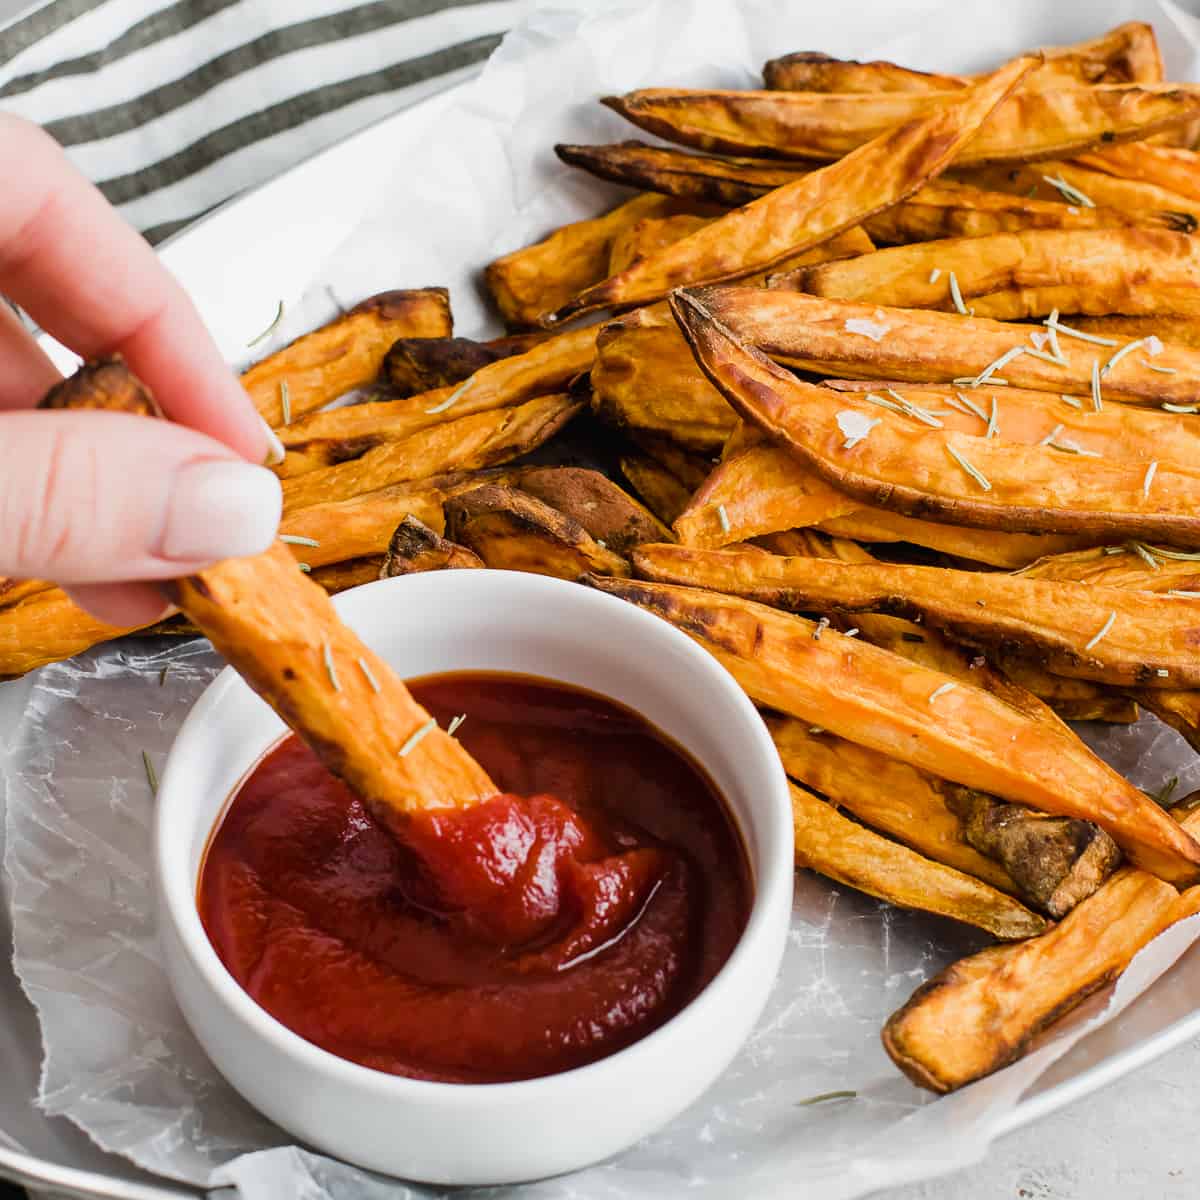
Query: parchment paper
point(120, 1062)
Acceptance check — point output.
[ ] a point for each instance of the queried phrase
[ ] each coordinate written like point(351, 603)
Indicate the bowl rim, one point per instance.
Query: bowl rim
point(771, 870)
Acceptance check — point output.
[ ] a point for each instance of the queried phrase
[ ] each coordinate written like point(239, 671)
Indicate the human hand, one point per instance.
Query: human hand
point(104, 502)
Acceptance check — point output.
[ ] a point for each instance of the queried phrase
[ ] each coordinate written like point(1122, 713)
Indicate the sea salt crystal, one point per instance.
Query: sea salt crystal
point(872, 329)
point(854, 427)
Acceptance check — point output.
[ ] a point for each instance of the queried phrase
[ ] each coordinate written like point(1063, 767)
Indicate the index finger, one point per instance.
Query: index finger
point(90, 280)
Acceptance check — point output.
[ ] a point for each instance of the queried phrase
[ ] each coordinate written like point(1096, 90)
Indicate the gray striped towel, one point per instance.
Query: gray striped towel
point(173, 106)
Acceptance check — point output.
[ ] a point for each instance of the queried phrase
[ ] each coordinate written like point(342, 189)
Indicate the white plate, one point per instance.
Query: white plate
point(298, 219)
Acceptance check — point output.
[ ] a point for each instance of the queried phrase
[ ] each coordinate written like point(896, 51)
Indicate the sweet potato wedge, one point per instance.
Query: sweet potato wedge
point(416, 365)
point(47, 626)
point(661, 492)
point(803, 214)
point(1099, 271)
point(689, 468)
point(13, 591)
point(106, 384)
point(987, 483)
point(959, 732)
point(981, 1013)
point(849, 853)
point(891, 796)
point(1179, 331)
point(1120, 567)
point(1109, 635)
point(811, 71)
point(281, 632)
point(931, 347)
point(345, 354)
point(648, 236)
point(482, 440)
point(1055, 861)
point(1171, 167)
point(415, 547)
point(537, 279)
point(1031, 124)
point(612, 516)
point(511, 530)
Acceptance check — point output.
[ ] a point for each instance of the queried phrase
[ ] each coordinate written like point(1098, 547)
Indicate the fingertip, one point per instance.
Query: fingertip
point(124, 605)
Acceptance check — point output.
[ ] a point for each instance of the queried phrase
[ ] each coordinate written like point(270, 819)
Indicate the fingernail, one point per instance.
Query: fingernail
point(220, 510)
point(275, 451)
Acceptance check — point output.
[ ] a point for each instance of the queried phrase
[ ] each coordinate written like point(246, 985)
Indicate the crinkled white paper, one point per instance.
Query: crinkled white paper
point(119, 1060)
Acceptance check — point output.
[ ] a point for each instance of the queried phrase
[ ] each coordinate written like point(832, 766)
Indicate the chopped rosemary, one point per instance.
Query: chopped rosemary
point(1102, 631)
point(1160, 370)
point(162, 675)
point(1051, 435)
point(449, 400)
point(602, 543)
point(822, 625)
point(1045, 357)
point(1144, 555)
point(935, 274)
point(305, 568)
point(815, 729)
point(364, 667)
point(825, 1097)
point(1162, 673)
point(956, 295)
point(1179, 555)
point(1148, 478)
point(327, 654)
point(294, 539)
point(270, 329)
point(914, 410)
point(1002, 361)
point(1184, 595)
point(1120, 354)
point(911, 637)
point(1052, 333)
point(972, 406)
point(723, 517)
point(1163, 796)
point(455, 722)
point(285, 401)
point(851, 632)
point(1097, 403)
point(941, 691)
point(416, 736)
point(1055, 325)
point(1180, 408)
point(1069, 192)
point(1073, 401)
point(1073, 447)
point(976, 474)
point(151, 773)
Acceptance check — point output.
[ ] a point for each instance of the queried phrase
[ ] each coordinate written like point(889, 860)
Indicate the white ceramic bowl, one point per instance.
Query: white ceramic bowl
point(502, 1132)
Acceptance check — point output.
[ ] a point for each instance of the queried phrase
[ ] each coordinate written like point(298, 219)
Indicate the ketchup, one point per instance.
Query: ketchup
point(545, 928)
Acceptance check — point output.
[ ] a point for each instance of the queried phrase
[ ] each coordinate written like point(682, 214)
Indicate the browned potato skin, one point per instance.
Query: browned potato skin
point(891, 796)
point(849, 853)
point(345, 354)
point(416, 365)
point(537, 279)
point(280, 631)
point(13, 591)
point(690, 469)
point(608, 513)
point(483, 440)
point(878, 699)
point(1032, 124)
point(1102, 271)
point(662, 492)
point(512, 531)
point(105, 383)
point(811, 71)
point(800, 215)
point(352, 573)
point(983, 1012)
point(922, 346)
point(1055, 861)
point(415, 548)
point(1053, 622)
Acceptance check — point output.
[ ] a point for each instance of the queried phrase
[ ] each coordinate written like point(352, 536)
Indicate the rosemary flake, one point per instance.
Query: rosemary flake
point(956, 296)
point(814, 729)
point(973, 471)
point(162, 675)
point(935, 274)
point(1181, 594)
point(1161, 371)
point(1180, 408)
point(1120, 354)
point(941, 691)
point(972, 406)
point(1148, 478)
point(1144, 555)
point(305, 568)
point(415, 737)
point(365, 668)
point(1097, 402)
point(826, 1097)
point(1102, 631)
point(1073, 401)
point(449, 400)
point(1069, 191)
point(270, 329)
point(151, 773)
point(294, 539)
point(1054, 324)
point(285, 401)
point(1163, 796)
point(851, 632)
point(330, 670)
point(455, 722)
point(822, 625)
point(1179, 555)
point(1051, 435)
point(723, 517)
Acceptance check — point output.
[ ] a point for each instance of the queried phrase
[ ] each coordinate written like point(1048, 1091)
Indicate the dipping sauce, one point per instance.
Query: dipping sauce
point(545, 928)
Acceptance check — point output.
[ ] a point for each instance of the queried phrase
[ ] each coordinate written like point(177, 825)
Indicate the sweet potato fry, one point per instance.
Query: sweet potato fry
point(922, 346)
point(1126, 54)
point(1105, 191)
point(345, 354)
point(1139, 568)
point(648, 236)
point(613, 517)
point(537, 279)
point(849, 853)
point(1180, 710)
point(106, 384)
point(960, 732)
point(354, 572)
point(1109, 635)
point(888, 795)
point(1031, 124)
point(47, 626)
point(512, 531)
point(690, 469)
point(803, 214)
point(13, 591)
point(415, 547)
point(282, 634)
point(1171, 167)
point(982, 1012)
point(482, 440)
point(1099, 271)
point(1179, 331)
point(1055, 861)
point(662, 493)
point(987, 483)
point(416, 365)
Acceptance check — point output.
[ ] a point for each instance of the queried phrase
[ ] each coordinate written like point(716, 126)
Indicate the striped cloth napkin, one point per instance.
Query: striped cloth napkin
point(172, 106)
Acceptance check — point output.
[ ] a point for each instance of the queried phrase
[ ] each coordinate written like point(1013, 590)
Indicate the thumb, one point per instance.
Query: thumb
point(98, 497)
